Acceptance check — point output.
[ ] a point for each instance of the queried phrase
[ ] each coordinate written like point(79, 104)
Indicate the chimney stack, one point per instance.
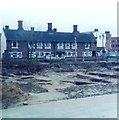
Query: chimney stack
point(75, 28)
point(32, 28)
point(20, 25)
point(49, 27)
point(55, 29)
point(107, 32)
point(7, 27)
point(95, 30)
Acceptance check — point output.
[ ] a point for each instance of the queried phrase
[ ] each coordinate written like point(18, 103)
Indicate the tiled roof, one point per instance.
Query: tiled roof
point(24, 35)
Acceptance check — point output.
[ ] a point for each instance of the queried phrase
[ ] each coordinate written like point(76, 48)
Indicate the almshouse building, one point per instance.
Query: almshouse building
point(21, 43)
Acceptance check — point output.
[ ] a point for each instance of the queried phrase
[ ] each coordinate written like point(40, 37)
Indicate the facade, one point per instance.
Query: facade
point(0, 45)
point(115, 44)
point(25, 44)
point(108, 40)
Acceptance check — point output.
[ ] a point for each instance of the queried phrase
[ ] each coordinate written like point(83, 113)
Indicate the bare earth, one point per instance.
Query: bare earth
point(47, 86)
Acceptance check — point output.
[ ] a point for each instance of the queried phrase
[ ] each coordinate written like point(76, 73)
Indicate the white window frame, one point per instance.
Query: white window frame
point(87, 54)
point(60, 45)
point(31, 46)
point(16, 54)
point(67, 45)
point(16, 44)
point(47, 45)
point(32, 54)
point(73, 45)
point(87, 46)
point(71, 54)
point(39, 45)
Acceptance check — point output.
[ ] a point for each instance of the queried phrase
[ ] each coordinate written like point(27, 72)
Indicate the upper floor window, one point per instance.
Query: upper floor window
point(87, 46)
point(39, 45)
point(47, 45)
point(74, 45)
point(31, 45)
point(67, 45)
point(14, 44)
point(60, 45)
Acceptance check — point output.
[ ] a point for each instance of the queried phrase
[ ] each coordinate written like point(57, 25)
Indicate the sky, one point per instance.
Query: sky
point(87, 14)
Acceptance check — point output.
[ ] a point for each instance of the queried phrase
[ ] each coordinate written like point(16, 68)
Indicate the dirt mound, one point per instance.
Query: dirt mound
point(11, 94)
point(33, 88)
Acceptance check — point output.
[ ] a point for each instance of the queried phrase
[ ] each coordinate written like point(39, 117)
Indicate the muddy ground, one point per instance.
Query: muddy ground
point(57, 81)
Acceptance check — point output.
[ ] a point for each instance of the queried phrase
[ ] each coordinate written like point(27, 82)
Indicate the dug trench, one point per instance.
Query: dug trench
point(65, 81)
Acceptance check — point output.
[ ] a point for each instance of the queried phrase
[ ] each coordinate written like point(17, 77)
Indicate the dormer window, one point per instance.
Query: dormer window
point(14, 44)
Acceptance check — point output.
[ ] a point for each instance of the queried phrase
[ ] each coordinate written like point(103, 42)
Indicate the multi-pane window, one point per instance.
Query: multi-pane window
point(74, 45)
point(67, 45)
point(87, 46)
point(15, 54)
point(60, 45)
point(14, 44)
point(31, 45)
point(47, 45)
point(39, 45)
point(32, 54)
point(87, 54)
point(71, 54)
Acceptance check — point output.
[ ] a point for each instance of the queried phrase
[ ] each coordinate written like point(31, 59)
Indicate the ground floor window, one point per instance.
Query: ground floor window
point(15, 54)
point(38, 54)
point(70, 54)
point(87, 54)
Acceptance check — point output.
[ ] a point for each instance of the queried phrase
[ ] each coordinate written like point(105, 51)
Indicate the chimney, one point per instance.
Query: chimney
point(32, 28)
point(55, 29)
point(7, 27)
point(95, 30)
point(20, 25)
point(107, 32)
point(49, 27)
point(75, 28)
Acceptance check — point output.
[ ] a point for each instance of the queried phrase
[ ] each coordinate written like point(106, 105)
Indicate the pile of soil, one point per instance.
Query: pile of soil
point(30, 87)
point(81, 91)
point(11, 94)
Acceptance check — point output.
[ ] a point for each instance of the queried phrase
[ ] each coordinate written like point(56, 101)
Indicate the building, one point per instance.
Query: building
point(108, 40)
point(0, 45)
point(27, 44)
point(115, 44)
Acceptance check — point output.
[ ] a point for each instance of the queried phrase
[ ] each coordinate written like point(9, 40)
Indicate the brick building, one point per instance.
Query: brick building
point(115, 44)
point(27, 44)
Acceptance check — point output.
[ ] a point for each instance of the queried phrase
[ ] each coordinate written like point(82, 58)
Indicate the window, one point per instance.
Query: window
point(15, 54)
point(71, 54)
point(67, 45)
point(14, 44)
point(74, 54)
point(39, 45)
point(31, 45)
point(74, 45)
point(47, 45)
point(87, 54)
point(112, 46)
point(32, 54)
point(87, 46)
point(60, 45)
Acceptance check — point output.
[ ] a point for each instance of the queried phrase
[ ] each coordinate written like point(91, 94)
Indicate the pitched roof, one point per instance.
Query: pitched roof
point(24, 35)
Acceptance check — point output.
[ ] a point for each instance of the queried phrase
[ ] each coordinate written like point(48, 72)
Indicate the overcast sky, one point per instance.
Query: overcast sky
point(87, 14)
